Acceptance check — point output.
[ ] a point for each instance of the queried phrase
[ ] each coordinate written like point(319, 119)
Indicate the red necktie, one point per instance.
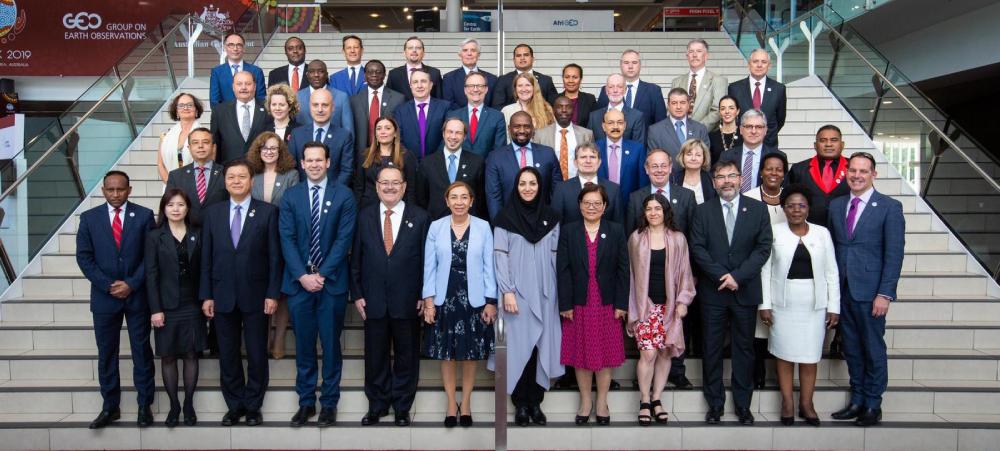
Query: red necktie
point(828, 176)
point(116, 228)
point(200, 184)
point(295, 79)
point(524, 156)
point(372, 116)
point(756, 96)
point(473, 124)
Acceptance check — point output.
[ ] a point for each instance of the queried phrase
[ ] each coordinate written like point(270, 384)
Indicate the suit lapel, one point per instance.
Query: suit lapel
point(106, 227)
point(249, 220)
point(602, 234)
point(405, 227)
point(869, 211)
point(717, 218)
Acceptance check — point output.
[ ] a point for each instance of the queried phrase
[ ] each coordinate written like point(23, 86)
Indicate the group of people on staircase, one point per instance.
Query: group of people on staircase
point(437, 206)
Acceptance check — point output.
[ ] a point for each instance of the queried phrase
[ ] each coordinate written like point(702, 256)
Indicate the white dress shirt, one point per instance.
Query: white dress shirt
point(395, 219)
point(121, 214)
point(865, 197)
point(302, 73)
point(244, 211)
point(239, 113)
point(585, 181)
point(208, 172)
point(371, 94)
point(753, 86)
point(238, 64)
point(755, 166)
point(517, 154)
point(317, 126)
point(736, 208)
point(412, 66)
point(458, 159)
point(666, 190)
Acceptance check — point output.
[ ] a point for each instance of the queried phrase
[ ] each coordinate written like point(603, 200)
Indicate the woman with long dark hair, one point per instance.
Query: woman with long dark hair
point(386, 150)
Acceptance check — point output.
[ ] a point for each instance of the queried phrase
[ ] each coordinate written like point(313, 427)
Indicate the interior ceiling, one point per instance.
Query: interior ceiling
point(897, 18)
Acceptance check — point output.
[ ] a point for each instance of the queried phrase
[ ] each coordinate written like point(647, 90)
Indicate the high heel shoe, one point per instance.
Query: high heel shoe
point(812, 421)
point(172, 416)
point(464, 420)
point(645, 420)
point(451, 421)
point(582, 420)
point(190, 418)
point(603, 421)
point(661, 417)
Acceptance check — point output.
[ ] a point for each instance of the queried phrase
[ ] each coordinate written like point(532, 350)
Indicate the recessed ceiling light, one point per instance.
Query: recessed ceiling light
point(373, 15)
point(434, 8)
point(617, 14)
point(892, 136)
point(406, 10)
point(382, 25)
point(887, 102)
point(409, 17)
point(465, 8)
point(880, 133)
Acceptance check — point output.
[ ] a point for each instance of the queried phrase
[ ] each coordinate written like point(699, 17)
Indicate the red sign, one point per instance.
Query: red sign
point(675, 11)
point(85, 37)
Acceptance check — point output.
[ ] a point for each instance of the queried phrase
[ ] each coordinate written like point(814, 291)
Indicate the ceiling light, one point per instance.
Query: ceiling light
point(887, 102)
point(880, 133)
point(434, 8)
point(406, 10)
point(382, 25)
point(892, 136)
point(409, 17)
point(465, 8)
point(617, 14)
point(373, 15)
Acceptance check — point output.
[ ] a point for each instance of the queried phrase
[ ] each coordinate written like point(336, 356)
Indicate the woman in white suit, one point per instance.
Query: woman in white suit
point(459, 297)
point(801, 301)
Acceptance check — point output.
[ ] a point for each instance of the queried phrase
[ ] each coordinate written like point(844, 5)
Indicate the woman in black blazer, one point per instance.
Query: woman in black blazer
point(282, 106)
point(593, 285)
point(173, 268)
point(693, 173)
point(583, 103)
point(386, 150)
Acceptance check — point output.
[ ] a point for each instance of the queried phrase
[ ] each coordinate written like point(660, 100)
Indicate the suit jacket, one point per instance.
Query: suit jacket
point(409, 128)
point(364, 180)
point(226, 134)
point(801, 173)
point(341, 145)
point(241, 277)
point(632, 175)
point(280, 75)
point(342, 115)
point(573, 265)
point(337, 223)
point(585, 104)
point(547, 136)
point(736, 155)
point(163, 278)
point(503, 94)
point(482, 288)
point(399, 81)
point(501, 171)
point(648, 98)
point(282, 182)
point(715, 257)
point(823, 259)
point(391, 284)
point(491, 130)
point(360, 107)
point(186, 178)
point(682, 204)
point(711, 88)
point(772, 103)
point(707, 187)
point(102, 263)
point(662, 135)
point(220, 83)
point(871, 259)
point(635, 125)
point(453, 87)
point(341, 80)
point(565, 195)
point(432, 181)
point(292, 124)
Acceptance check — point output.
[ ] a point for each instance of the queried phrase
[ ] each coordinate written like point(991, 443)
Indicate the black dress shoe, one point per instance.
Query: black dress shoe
point(173, 417)
point(302, 416)
point(450, 421)
point(714, 415)
point(254, 418)
point(465, 420)
point(145, 417)
point(538, 417)
point(787, 421)
point(233, 417)
point(869, 417)
point(402, 419)
point(847, 413)
point(190, 417)
point(522, 416)
point(105, 418)
point(373, 418)
point(744, 416)
point(582, 419)
point(327, 417)
point(681, 382)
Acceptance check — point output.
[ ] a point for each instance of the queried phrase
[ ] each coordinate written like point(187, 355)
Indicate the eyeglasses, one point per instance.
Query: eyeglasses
point(414, 47)
point(476, 86)
point(269, 149)
point(659, 166)
point(234, 45)
point(587, 204)
point(721, 177)
point(754, 127)
point(390, 183)
point(185, 106)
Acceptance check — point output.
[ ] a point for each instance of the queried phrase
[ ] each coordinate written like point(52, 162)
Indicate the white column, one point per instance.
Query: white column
point(453, 15)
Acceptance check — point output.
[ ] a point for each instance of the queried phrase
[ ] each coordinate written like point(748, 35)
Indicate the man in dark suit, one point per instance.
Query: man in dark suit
point(420, 118)
point(454, 84)
point(487, 130)
point(868, 230)
point(760, 92)
point(453, 164)
point(753, 128)
point(640, 95)
point(730, 241)
point(621, 159)
point(109, 245)
point(293, 73)
point(524, 60)
point(565, 195)
point(373, 101)
point(667, 134)
point(321, 128)
point(317, 226)
point(583, 102)
point(202, 179)
point(240, 285)
point(387, 264)
point(400, 77)
point(504, 163)
point(635, 121)
point(235, 124)
point(220, 83)
point(350, 79)
point(318, 79)
point(824, 176)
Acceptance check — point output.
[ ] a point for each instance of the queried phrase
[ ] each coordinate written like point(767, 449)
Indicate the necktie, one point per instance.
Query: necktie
point(422, 123)
point(828, 176)
point(295, 79)
point(852, 216)
point(387, 231)
point(613, 171)
point(236, 227)
point(693, 91)
point(473, 124)
point(315, 258)
point(236, 68)
point(201, 185)
point(410, 74)
point(564, 154)
point(116, 228)
point(245, 126)
point(730, 221)
point(748, 179)
point(524, 156)
point(372, 116)
point(679, 128)
point(659, 191)
point(354, 77)
point(452, 168)
point(628, 97)
point(756, 95)
point(319, 134)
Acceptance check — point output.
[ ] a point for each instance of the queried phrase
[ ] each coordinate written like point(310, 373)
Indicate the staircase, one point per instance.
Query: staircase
point(943, 333)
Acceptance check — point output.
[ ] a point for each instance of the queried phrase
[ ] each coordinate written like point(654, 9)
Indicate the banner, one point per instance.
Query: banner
point(477, 21)
point(85, 37)
point(558, 20)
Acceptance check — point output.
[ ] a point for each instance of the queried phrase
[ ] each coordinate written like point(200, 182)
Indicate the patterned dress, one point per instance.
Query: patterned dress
point(458, 332)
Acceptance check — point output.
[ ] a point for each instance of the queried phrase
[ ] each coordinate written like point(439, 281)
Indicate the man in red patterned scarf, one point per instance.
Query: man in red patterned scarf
point(824, 175)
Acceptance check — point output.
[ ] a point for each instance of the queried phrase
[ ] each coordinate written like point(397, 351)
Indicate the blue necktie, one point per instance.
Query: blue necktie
point(681, 136)
point(354, 78)
point(628, 97)
point(452, 168)
point(319, 134)
point(236, 227)
point(236, 68)
point(315, 258)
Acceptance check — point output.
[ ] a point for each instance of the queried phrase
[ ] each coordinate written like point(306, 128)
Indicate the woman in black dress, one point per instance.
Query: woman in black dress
point(727, 136)
point(173, 260)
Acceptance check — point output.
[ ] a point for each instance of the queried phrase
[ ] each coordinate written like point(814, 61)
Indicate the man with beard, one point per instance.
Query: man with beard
point(372, 102)
point(671, 133)
point(524, 61)
point(564, 136)
point(319, 78)
point(621, 159)
point(293, 73)
point(504, 163)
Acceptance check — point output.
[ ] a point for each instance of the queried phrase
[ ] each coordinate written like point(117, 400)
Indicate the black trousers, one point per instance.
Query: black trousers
point(527, 392)
point(741, 320)
point(391, 383)
point(239, 391)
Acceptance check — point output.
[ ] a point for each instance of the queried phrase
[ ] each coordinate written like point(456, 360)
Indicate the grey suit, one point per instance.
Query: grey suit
point(359, 107)
point(663, 136)
point(711, 88)
point(547, 136)
point(282, 182)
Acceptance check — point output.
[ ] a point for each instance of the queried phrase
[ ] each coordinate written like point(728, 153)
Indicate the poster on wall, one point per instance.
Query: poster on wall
point(299, 18)
point(85, 37)
point(477, 21)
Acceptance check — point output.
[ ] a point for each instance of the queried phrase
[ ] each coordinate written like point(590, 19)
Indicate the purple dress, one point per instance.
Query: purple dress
point(593, 340)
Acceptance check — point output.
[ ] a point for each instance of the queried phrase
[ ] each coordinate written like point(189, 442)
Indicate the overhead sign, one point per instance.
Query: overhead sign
point(681, 11)
point(558, 20)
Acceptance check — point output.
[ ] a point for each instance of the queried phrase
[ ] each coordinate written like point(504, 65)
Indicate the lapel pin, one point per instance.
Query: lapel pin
point(673, 200)
point(327, 203)
point(409, 224)
point(261, 109)
point(328, 136)
point(131, 214)
point(744, 209)
point(626, 152)
point(188, 171)
point(603, 236)
point(277, 183)
point(463, 166)
point(192, 239)
point(324, 211)
point(390, 164)
point(538, 165)
point(252, 212)
point(768, 89)
point(545, 223)
point(874, 204)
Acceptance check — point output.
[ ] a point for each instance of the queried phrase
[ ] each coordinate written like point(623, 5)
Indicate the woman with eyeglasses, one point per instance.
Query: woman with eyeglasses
point(386, 150)
point(282, 107)
point(173, 152)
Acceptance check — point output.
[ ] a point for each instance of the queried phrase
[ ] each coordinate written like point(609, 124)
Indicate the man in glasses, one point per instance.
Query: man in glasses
point(487, 130)
point(221, 82)
point(760, 92)
point(454, 86)
point(753, 129)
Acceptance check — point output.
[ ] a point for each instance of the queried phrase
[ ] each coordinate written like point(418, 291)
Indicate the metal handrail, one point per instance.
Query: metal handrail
point(500, 342)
